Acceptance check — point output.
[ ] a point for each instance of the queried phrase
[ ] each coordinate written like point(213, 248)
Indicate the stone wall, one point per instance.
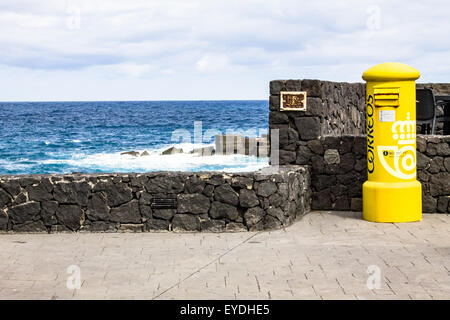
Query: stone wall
point(204, 201)
point(338, 170)
point(333, 108)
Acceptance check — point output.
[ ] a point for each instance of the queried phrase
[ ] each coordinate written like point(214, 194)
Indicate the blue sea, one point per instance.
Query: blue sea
point(66, 137)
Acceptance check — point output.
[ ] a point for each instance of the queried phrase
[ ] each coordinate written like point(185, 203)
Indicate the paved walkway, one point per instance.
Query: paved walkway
point(324, 256)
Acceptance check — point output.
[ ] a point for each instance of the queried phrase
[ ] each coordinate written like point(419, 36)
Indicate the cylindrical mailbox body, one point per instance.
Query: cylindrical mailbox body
point(392, 193)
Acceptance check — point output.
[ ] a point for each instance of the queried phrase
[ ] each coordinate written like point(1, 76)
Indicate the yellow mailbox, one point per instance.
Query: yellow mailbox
point(391, 193)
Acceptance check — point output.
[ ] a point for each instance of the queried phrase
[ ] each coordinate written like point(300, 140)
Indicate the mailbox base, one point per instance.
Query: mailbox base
point(392, 201)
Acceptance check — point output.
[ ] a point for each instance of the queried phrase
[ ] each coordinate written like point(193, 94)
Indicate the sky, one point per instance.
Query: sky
point(70, 50)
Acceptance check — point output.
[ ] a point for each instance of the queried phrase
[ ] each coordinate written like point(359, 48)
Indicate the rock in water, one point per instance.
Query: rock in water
point(205, 151)
point(172, 150)
point(145, 153)
point(130, 153)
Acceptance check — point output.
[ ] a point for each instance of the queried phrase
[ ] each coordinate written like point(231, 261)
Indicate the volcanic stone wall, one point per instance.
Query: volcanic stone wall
point(329, 137)
point(204, 201)
point(332, 109)
point(339, 168)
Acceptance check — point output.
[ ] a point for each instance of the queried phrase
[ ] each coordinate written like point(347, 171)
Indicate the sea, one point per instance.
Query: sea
point(89, 137)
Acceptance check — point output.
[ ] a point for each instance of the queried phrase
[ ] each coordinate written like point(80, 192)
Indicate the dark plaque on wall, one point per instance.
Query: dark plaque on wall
point(293, 101)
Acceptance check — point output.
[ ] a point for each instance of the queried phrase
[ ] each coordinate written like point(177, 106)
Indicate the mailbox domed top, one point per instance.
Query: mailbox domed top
point(391, 71)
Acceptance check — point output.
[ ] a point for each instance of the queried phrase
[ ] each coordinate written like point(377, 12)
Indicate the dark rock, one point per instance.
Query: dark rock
point(242, 182)
point(72, 192)
point(276, 212)
point(347, 162)
point(186, 222)
point(278, 117)
point(313, 88)
point(308, 127)
point(145, 198)
point(165, 214)
point(293, 85)
point(235, 227)
point(118, 194)
point(356, 204)
point(286, 157)
point(360, 165)
point(226, 194)
point(436, 165)
point(443, 203)
point(5, 198)
point(24, 212)
point(321, 200)
point(304, 155)
point(422, 161)
point(429, 203)
point(34, 226)
point(193, 203)
point(194, 185)
point(342, 204)
point(3, 220)
point(320, 182)
point(276, 200)
point(48, 212)
point(315, 146)
point(69, 216)
point(11, 186)
point(266, 188)
point(165, 184)
point(138, 180)
point(274, 103)
point(97, 207)
point(21, 198)
point(172, 150)
point(315, 106)
point(360, 145)
point(146, 212)
point(223, 210)
point(248, 198)
point(447, 164)
point(208, 191)
point(156, 225)
point(38, 193)
point(253, 215)
point(26, 181)
point(421, 144)
point(213, 225)
point(440, 184)
point(443, 149)
point(130, 153)
point(276, 86)
point(317, 164)
point(126, 213)
point(271, 223)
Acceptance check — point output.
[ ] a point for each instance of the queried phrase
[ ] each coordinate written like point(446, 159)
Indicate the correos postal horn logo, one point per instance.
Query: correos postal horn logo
point(400, 160)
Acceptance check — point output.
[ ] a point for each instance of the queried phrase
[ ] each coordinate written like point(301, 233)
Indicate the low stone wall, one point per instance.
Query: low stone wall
point(339, 168)
point(204, 201)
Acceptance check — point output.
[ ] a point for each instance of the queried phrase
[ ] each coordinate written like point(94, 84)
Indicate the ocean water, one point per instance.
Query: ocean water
point(66, 137)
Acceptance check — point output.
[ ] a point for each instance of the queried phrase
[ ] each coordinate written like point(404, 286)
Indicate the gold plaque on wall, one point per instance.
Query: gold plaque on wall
point(293, 101)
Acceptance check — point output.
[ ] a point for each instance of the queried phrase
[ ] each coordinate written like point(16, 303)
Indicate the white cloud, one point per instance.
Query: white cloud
point(196, 49)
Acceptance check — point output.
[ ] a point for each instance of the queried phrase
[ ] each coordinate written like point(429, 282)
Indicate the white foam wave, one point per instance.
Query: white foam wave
point(112, 162)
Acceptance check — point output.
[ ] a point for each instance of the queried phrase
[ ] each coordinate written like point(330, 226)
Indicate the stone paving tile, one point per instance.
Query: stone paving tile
point(326, 255)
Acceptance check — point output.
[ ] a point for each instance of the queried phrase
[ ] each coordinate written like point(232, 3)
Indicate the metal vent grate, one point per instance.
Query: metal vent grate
point(164, 203)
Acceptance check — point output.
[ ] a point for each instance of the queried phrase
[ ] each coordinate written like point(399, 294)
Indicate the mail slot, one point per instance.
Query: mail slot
point(392, 192)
